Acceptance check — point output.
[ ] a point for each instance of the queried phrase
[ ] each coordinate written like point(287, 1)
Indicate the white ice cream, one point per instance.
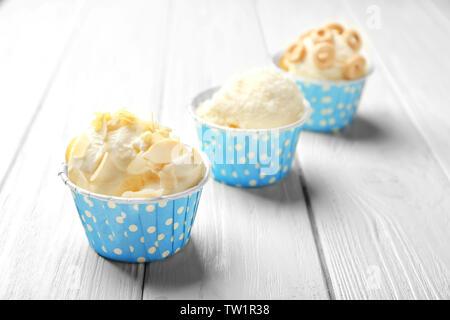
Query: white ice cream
point(257, 99)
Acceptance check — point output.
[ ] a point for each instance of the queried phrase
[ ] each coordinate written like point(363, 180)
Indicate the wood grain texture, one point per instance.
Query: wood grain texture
point(33, 39)
point(113, 61)
point(416, 63)
point(246, 244)
point(377, 192)
point(442, 7)
point(362, 215)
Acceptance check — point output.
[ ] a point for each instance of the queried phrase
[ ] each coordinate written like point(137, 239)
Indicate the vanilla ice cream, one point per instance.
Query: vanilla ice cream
point(331, 52)
point(122, 155)
point(258, 99)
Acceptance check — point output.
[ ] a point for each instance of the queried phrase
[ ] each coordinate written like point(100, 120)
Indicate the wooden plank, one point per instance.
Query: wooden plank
point(246, 244)
point(417, 63)
point(33, 36)
point(113, 61)
point(378, 194)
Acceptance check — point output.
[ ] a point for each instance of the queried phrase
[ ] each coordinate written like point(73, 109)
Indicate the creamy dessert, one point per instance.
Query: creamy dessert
point(331, 52)
point(122, 155)
point(257, 99)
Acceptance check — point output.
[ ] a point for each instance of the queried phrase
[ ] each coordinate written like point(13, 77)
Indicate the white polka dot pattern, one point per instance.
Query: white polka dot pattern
point(249, 160)
point(137, 233)
point(334, 106)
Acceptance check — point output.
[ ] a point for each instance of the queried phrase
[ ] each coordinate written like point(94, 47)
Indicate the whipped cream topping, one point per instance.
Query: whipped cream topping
point(122, 155)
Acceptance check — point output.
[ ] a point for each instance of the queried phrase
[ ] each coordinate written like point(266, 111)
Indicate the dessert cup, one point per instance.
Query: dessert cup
point(334, 103)
point(137, 229)
point(247, 157)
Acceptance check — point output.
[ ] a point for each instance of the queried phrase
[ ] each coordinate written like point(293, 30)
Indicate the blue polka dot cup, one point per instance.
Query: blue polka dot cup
point(137, 230)
point(247, 157)
point(334, 103)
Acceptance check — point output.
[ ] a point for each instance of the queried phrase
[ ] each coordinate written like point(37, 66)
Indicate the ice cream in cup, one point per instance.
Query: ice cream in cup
point(249, 128)
point(136, 187)
point(330, 65)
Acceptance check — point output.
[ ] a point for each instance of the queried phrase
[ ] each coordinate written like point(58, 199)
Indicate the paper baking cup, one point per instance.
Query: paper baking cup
point(137, 230)
point(247, 157)
point(334, 103)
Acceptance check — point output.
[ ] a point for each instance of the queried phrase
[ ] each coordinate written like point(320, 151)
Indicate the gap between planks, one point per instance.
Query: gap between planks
point(153, 270)
point(78, 21)
point(54, 73)
point(315, 232)
point(304, 187)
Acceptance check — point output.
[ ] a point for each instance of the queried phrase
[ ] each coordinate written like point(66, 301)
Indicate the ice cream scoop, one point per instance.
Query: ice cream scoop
point(257, 99)
point(122, 155)
point(330, 52)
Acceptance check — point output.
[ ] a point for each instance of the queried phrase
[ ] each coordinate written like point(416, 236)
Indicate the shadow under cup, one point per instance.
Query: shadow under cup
point(137, 230)
point(334, 103)
point(247, 157)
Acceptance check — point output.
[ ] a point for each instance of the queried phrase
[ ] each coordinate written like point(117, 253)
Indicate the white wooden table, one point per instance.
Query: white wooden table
point(364, 214)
